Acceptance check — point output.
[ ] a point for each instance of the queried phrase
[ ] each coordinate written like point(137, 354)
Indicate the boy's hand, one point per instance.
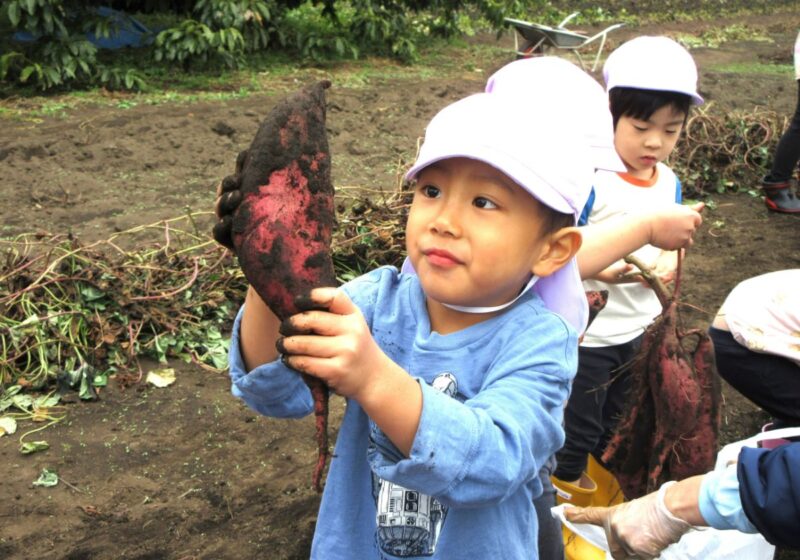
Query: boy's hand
point(619, 273)
point(332, 342)
point(228, 199)
point(674, 227)
point(666, 266)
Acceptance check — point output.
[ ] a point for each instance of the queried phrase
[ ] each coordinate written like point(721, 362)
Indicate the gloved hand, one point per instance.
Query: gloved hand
point(641, 528)
point(228, 199)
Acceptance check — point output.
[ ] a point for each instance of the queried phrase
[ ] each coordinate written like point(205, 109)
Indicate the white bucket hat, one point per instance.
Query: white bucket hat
point(574, 95)
point(656, 63)
point(527, 143)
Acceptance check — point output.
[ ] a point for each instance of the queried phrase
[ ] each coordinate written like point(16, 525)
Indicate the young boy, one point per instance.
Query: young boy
point(651, 84)
point(455, 376)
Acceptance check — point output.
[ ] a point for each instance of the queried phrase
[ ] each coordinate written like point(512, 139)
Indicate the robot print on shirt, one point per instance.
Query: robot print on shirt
point(409, 523)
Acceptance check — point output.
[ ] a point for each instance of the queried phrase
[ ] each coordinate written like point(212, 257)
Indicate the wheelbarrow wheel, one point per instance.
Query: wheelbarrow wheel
point(531, 48)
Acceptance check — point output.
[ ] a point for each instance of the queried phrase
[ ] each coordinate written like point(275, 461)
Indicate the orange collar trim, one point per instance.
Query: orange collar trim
point(628, 178)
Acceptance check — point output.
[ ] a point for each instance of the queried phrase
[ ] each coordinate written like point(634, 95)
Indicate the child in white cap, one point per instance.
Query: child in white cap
point(651, 84)
point(582, 106)
point(456, 376)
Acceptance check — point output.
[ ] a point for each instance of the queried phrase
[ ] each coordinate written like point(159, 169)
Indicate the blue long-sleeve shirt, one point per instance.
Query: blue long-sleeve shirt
point(493, 395)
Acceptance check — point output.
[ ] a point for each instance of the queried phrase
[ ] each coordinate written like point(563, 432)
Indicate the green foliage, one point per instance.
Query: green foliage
point(59, 54)
point(193, 41)
point(115, 78)
point(223, 31)
point(202, 34)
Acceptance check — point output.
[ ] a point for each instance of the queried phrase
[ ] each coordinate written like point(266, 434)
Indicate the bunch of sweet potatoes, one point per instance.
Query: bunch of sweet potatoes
point(669, 430)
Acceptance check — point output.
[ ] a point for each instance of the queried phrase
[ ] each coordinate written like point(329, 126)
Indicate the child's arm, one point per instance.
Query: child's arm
point(337, 347)
point(606, 243)
point(258, 332)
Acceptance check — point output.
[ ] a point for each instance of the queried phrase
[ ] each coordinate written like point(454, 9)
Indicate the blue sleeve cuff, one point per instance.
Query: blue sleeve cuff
point(270, 389)
point(719, 501)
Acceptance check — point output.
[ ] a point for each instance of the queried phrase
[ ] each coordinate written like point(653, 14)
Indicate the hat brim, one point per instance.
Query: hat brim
point(521, 173)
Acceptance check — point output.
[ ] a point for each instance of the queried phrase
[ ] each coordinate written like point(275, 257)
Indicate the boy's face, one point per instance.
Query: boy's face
point(643, 143)
point(473, 235)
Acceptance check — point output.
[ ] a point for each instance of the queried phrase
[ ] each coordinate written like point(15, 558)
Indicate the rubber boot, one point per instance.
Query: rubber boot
point(608, 490)
point(569, 493)
point(576, 548)
point(780, 198)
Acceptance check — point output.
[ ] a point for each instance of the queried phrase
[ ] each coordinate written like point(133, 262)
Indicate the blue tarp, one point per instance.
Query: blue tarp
point(126, 31)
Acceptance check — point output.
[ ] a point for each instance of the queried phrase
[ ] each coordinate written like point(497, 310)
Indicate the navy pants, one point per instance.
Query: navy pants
point(595, 404)
point(769, 381)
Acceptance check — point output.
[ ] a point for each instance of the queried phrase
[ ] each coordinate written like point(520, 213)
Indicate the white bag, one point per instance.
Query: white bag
point(730, 453)
point(702, 543)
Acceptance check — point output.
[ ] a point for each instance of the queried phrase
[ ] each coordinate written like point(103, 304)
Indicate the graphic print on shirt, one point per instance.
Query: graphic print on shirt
point(409, 523)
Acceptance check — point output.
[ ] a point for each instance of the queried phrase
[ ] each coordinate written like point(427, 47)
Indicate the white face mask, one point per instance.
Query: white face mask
point(464, 309)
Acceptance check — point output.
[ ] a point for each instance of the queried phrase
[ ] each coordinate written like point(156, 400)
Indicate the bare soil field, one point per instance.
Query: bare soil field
point(188, 472)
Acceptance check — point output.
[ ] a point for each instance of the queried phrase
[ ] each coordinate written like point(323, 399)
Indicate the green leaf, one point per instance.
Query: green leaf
point(47, 478)
point(26, 73)
point(23, 402)
point(7, 399)
point(32, 447)
point(30, 6)
point(87, 391)
point(90, 293)
point(46, 401)
point(14, 14)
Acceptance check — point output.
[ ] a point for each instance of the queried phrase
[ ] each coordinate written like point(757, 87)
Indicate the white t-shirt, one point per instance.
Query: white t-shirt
point(631, 307)
point(763, 313)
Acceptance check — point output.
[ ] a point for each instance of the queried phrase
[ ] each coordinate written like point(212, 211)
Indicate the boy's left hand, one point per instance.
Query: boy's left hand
point(332, 342)
point(666, 266)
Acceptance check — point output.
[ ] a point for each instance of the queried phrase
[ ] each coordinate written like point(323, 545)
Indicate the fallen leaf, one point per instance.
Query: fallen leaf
point(7, 425)
point(161, 377)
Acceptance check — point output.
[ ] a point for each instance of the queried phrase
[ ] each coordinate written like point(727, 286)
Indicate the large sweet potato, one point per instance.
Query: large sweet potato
point(282, 228)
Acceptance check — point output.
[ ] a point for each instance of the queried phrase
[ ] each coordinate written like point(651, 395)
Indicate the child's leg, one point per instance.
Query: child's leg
point(777, 185)
point(769, 381)
point(551, 541)
point(787, 153)
point(583, 415)
point(617, 393)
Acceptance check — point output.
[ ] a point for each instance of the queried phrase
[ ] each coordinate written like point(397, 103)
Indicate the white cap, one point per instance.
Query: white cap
point(528, 143)
point(574, 95)
point(656, 63)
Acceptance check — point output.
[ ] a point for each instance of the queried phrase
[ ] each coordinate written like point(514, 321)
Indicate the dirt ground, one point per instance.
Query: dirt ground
point(188, 472)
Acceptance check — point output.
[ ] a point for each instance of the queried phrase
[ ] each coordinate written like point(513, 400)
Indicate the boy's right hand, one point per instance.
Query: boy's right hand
point(228, 199)
point(673, 228)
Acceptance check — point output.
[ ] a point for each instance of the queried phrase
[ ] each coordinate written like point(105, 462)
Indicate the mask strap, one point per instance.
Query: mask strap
point(464, 309)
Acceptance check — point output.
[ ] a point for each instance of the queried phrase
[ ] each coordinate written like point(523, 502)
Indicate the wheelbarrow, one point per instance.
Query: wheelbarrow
point(537, 39)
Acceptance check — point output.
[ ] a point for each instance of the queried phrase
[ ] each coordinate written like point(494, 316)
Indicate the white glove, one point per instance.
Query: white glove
point(641, 528)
